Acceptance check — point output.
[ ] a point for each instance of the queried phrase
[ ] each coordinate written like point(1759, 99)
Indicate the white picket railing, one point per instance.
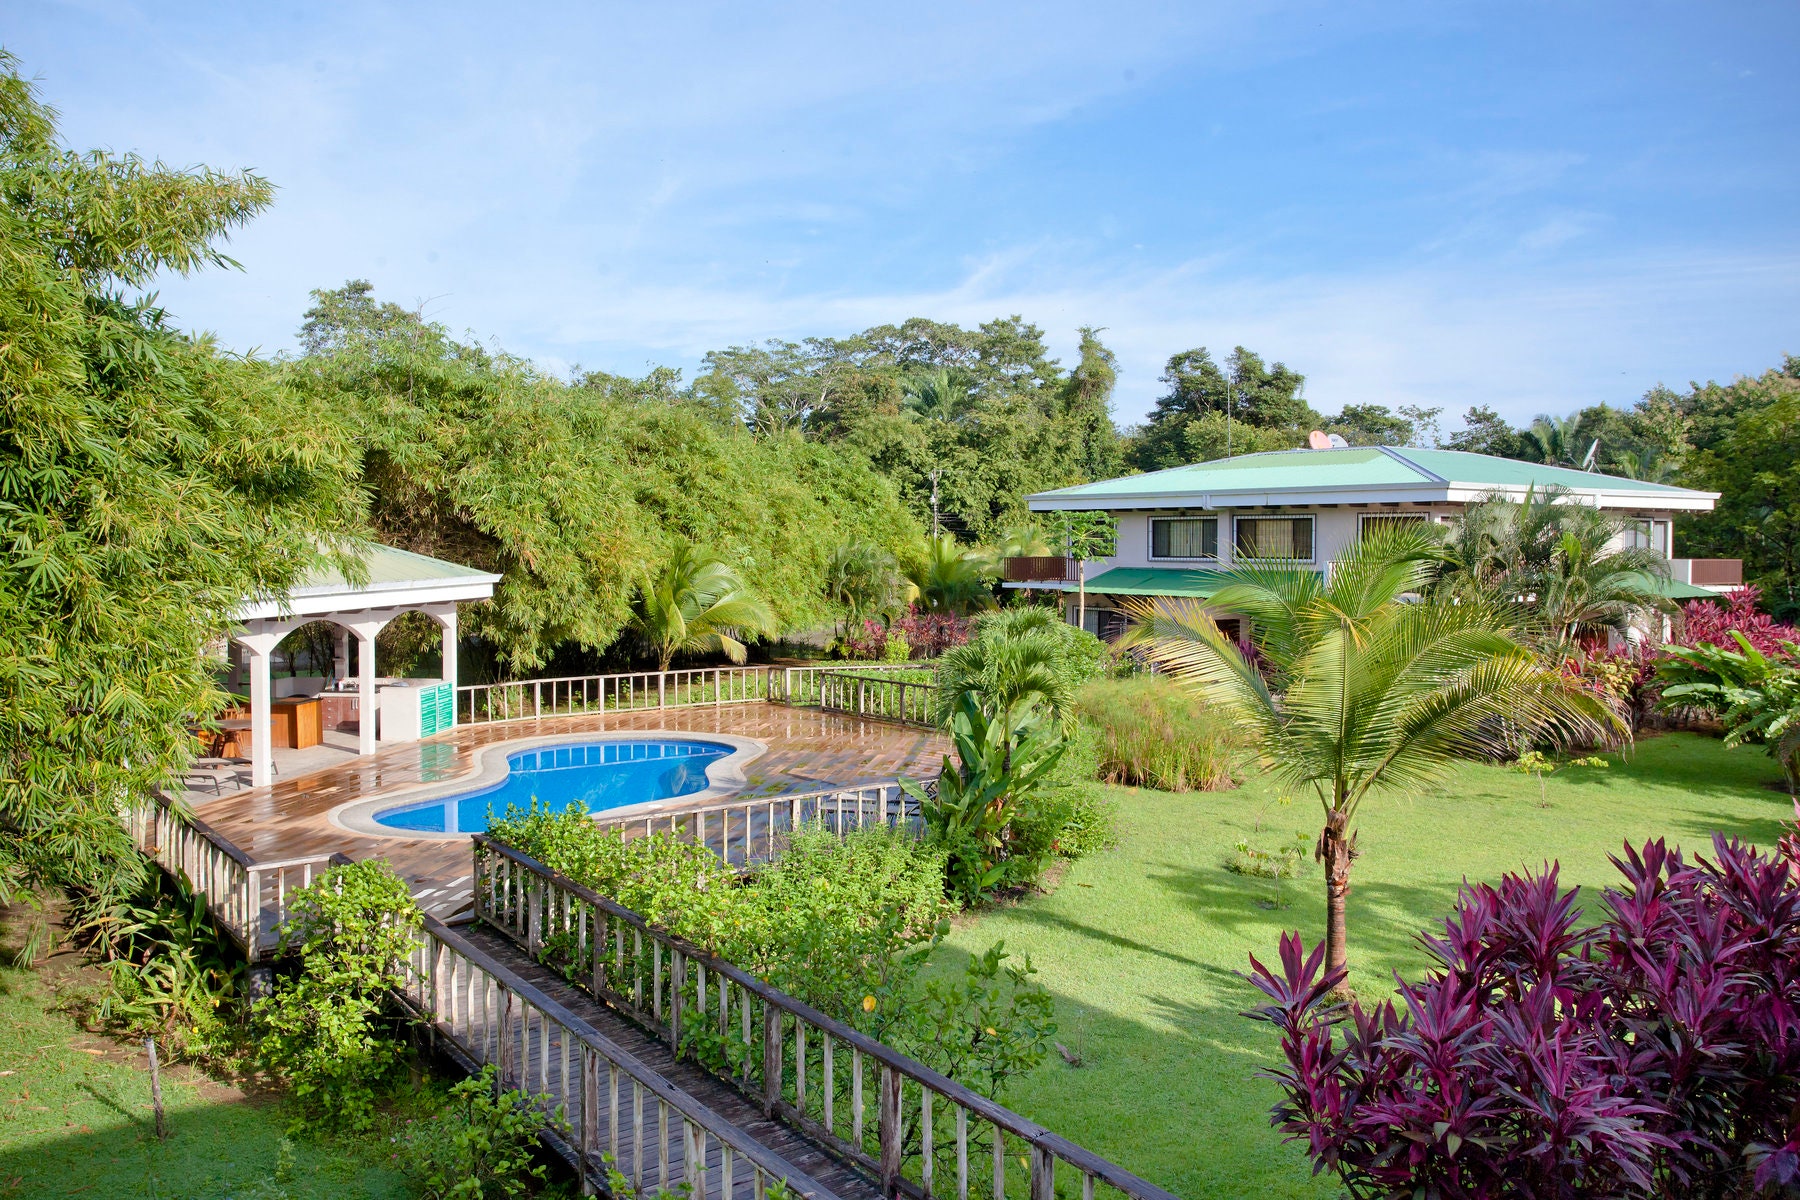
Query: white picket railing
point(483, 703)
point(248, 899)
point(865, 689)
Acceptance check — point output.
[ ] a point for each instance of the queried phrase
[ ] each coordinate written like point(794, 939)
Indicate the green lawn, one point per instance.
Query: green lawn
point(1142, 944)
point(75, 1120)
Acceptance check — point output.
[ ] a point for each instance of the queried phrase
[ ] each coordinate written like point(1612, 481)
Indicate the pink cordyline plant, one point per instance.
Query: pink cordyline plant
point(1708, 622)
point(1655, 1054)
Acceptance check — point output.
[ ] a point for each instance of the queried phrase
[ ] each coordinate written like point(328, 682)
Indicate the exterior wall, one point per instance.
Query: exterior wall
point(1335, 531)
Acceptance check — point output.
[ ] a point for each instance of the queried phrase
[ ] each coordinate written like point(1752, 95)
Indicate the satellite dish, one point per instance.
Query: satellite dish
point(1587, 461)
point(1318, 441)
point(1338, 443)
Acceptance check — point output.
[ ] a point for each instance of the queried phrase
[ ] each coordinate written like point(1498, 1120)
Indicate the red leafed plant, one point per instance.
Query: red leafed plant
point(930, 634)
point(1708, 622)
point(1655, 1054)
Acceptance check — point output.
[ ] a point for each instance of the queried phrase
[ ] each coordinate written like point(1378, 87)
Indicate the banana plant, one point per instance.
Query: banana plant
point(970, 814)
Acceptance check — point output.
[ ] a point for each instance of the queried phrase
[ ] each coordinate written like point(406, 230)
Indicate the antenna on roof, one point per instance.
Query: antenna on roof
point(1587, 460)
point(1317, 440)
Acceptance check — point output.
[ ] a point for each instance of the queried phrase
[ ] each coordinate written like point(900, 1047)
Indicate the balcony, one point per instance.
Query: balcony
point(1040, 570)
point(1721, 573)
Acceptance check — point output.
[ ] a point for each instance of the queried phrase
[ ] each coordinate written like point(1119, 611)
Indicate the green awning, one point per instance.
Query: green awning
point(1674, 589)
point(1154, 581)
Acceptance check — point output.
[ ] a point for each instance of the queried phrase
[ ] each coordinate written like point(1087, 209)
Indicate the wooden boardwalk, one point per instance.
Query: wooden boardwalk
point(648, 1151)
point(808, 749)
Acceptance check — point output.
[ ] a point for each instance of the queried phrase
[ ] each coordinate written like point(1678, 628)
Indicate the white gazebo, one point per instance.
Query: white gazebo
point(397, 581)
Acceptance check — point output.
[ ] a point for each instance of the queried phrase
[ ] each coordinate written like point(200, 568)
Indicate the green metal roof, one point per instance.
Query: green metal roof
point(1154, 581)
point(1261, 472)
point(1357, 467)
point(1460, 466)
point(388, 565)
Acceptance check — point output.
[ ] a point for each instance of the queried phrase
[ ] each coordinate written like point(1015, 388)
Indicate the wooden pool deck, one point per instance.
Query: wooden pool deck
point(808, 749)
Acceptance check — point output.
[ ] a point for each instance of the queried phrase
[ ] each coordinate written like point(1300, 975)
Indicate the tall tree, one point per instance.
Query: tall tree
point(1243, 391)
point(151, 486)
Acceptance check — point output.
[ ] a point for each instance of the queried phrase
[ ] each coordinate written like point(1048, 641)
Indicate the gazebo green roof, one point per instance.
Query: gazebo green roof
point(388, 566)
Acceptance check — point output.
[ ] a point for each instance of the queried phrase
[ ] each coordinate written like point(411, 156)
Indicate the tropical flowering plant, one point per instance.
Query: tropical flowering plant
point(1708, 623)
point(1656, 1053)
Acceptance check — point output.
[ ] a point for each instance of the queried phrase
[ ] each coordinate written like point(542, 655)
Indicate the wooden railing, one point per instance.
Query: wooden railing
point(743, 830)
point(877, 695)
point(810, 685)
point(479, 704)
point(248, 899)
point(928, 1135)
point(602, 1099)
point(1039, 569)
point(874, 696)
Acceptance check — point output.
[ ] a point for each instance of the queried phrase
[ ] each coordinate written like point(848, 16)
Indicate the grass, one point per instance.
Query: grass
point(75, 1120)
point(1142, 945)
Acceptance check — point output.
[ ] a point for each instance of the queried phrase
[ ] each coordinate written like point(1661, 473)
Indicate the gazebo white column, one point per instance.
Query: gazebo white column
point(260, 647)
point(365, 626)
point(343, 653)
point(447, 619)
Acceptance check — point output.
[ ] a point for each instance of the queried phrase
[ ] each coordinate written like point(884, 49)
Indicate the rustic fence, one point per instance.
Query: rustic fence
point(745, 830)
point(248, 899)
point(602, 1101)
point(927, 1135)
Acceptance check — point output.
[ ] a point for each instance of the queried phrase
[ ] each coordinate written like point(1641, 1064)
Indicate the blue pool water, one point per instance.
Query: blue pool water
point(592, 777)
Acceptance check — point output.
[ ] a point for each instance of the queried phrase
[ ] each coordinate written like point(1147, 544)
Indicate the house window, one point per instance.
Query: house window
point(1196, 537)
point(1286, 538)
point(1392, 520)
point(1648, 535)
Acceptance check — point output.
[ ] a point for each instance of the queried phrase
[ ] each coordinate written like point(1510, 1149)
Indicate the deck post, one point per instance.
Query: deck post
point(771, 1058)
point(1043, 1174)
point(505, 1049)
point(890, 1130)
point(677, 985)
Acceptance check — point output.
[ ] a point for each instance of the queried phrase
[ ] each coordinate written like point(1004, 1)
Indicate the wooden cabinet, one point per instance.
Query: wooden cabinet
point(296, 722)
point(339, 711)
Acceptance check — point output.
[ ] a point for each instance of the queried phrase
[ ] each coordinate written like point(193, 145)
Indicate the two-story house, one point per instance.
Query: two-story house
point(1177, 529)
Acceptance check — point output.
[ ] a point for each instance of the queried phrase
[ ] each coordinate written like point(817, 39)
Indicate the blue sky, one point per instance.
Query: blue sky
point(1532, 206)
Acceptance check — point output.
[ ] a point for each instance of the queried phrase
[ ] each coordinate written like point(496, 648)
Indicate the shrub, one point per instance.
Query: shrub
point(1652, 1054)
point(867, 642)
point(322, 1028)
point(1708, 623)
point(483, 1144)
point(173, 973)
point(830, 920)
point(1153, 734)
point(897, 649)
point(929, 634)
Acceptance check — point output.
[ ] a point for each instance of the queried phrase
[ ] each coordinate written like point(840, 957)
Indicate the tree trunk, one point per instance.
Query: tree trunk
point(1334, 851)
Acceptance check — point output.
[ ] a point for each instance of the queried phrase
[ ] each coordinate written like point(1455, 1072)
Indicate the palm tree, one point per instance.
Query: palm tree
point(1554, 438)
point(865, 581)
point(697, 602)
point(1017, 662)
point(1565, 563)
point(1366, 693)
point(950, 577)
point(935, 396)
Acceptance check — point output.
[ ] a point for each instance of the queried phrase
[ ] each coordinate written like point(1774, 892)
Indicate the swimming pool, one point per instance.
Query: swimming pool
point(592, 776)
